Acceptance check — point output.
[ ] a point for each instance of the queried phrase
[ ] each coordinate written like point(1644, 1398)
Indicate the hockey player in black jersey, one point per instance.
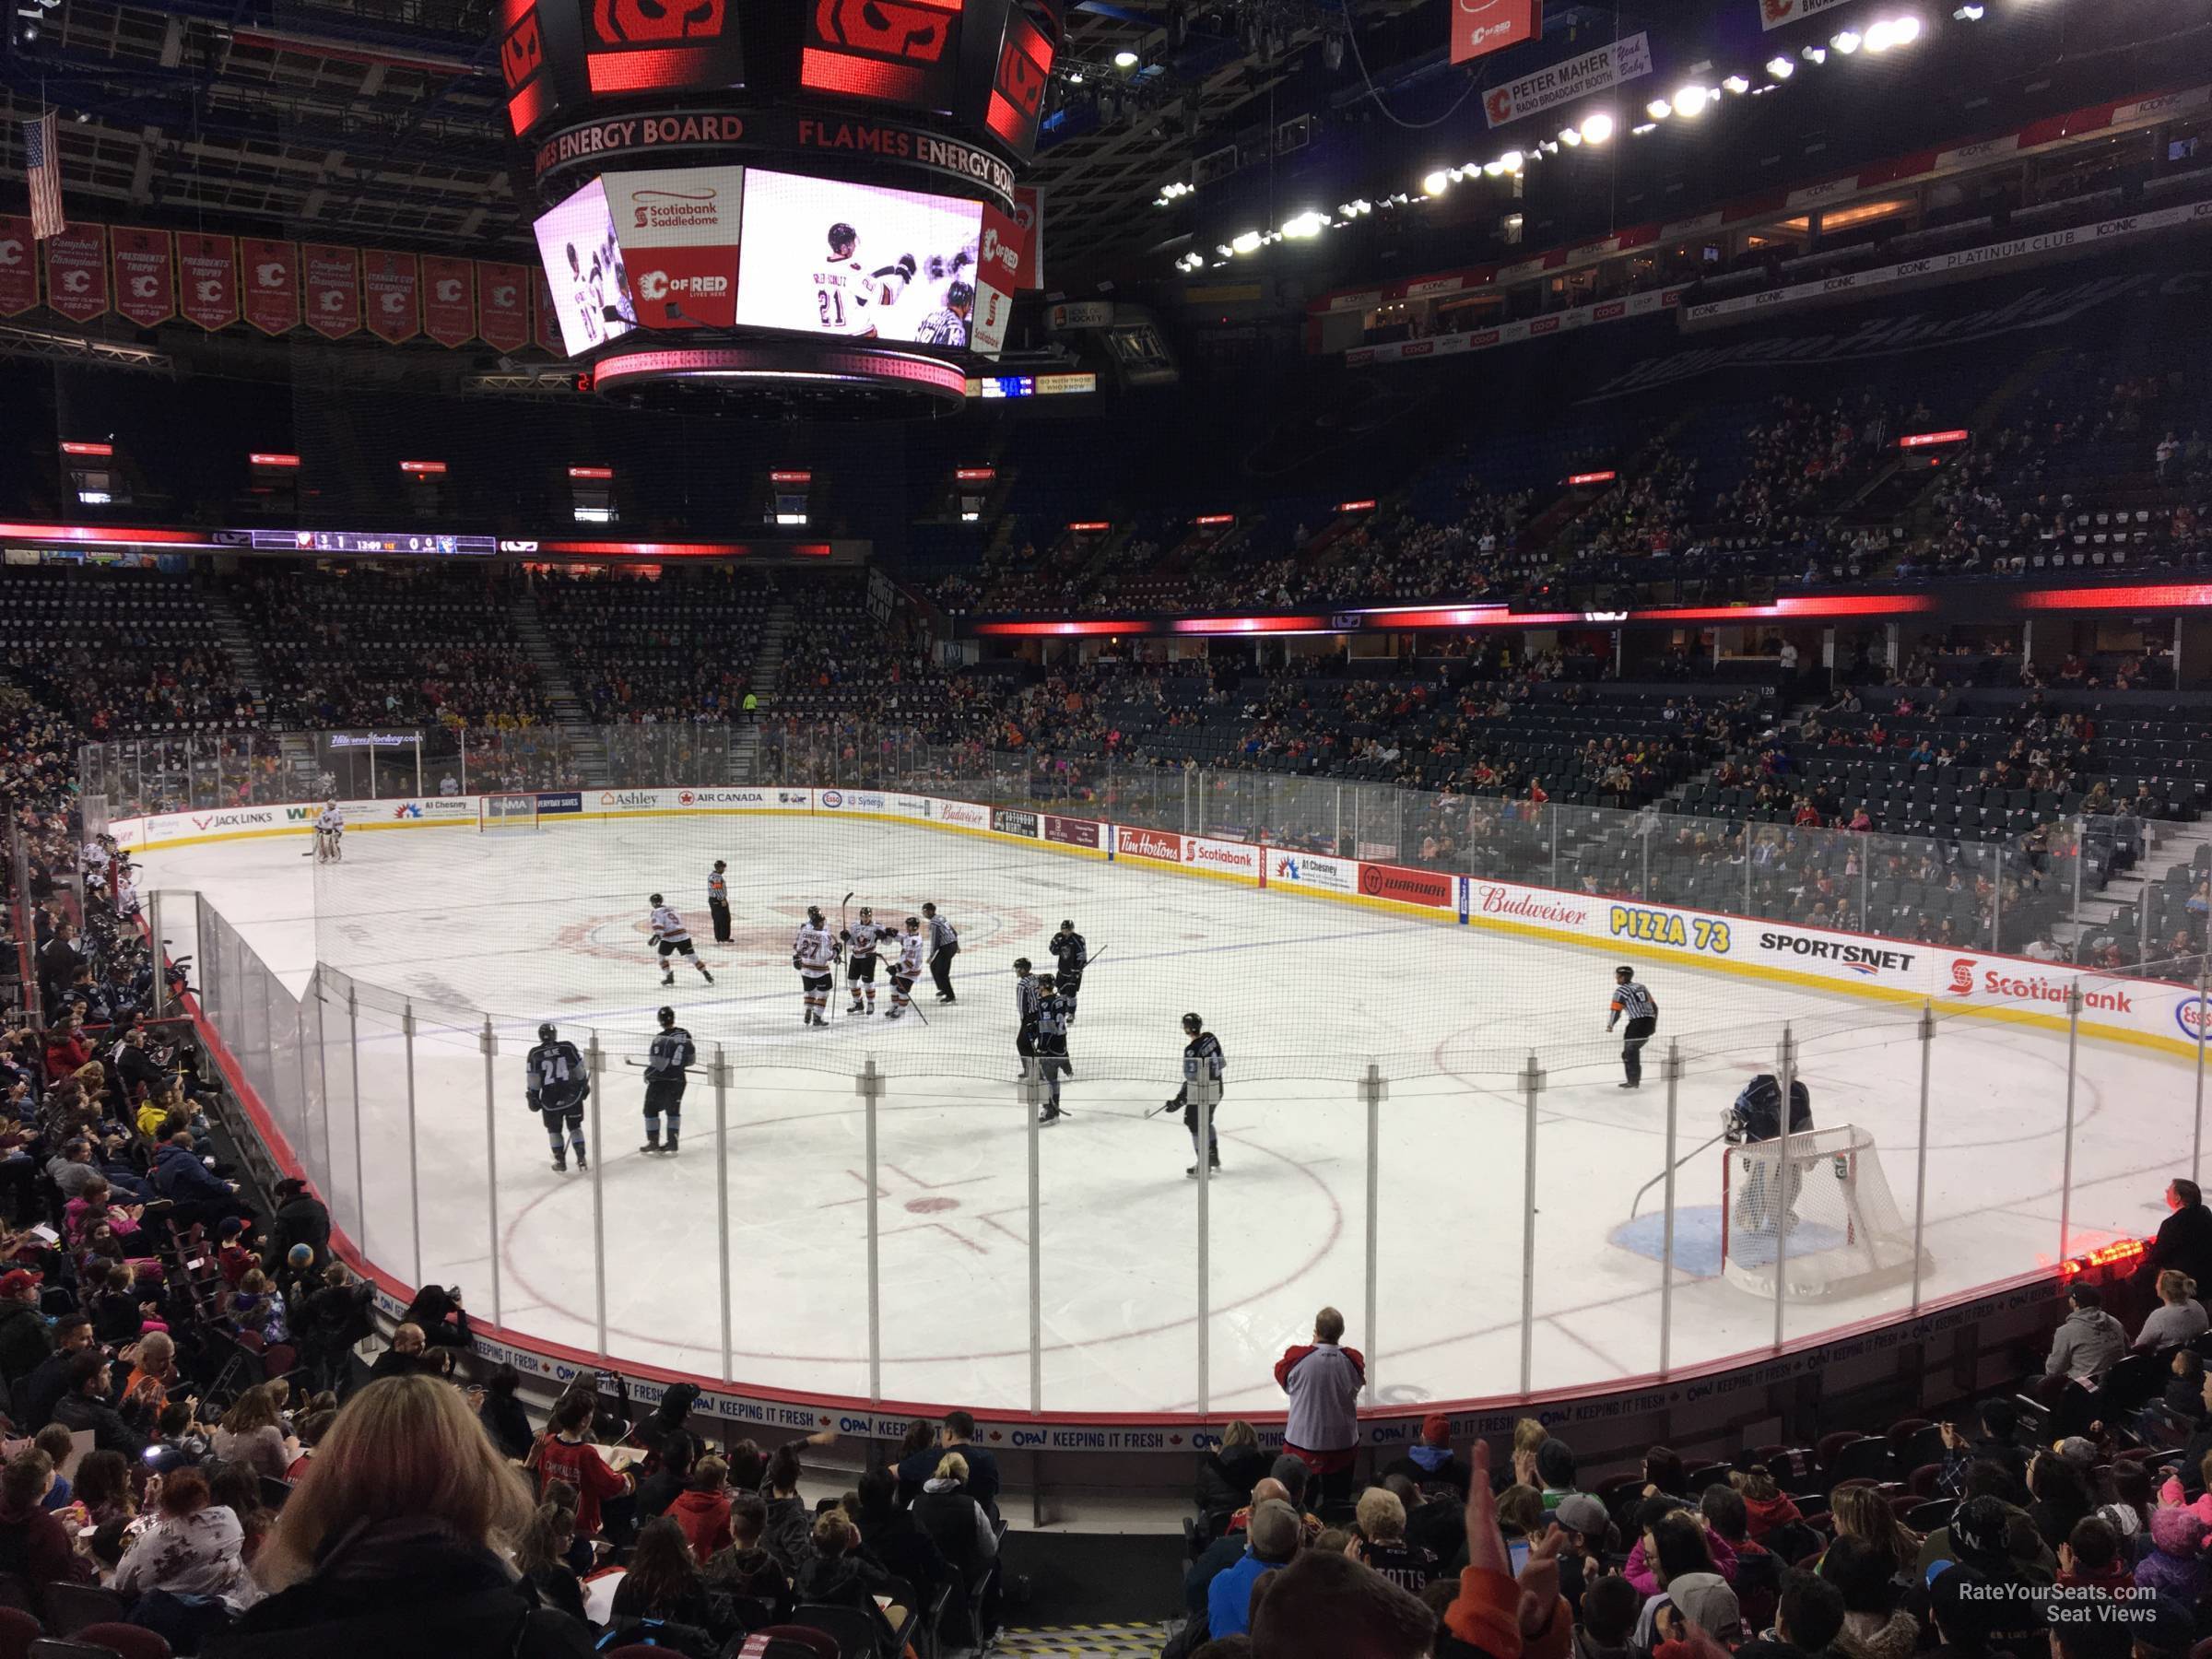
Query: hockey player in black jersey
point(665, 1061)
point(1054, 1012)
point(1202, 1061)
point(1755, 1115)
point(558, 1088)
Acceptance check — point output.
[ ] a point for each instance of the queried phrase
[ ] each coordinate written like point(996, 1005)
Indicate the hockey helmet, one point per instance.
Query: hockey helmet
point(1021, 964)
point(652, 898)
point(913, 924)
point(1044, 981)
point(813, 915)
point(1067, 927)
point(843, 239)
point(546, 1034)
point(667, 1016)
point(1193, 1024)
point(868, 912)
point(959, 293)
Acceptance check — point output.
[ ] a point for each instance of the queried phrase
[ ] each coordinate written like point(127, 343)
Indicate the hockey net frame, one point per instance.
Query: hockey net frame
point(1844, 1233)
point(505, 810)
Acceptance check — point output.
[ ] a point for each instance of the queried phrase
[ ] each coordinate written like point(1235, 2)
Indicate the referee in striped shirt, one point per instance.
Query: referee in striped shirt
point(1633, 1000)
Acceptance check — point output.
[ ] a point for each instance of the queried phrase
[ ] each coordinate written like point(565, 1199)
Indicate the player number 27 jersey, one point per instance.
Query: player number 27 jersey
point(814, 949)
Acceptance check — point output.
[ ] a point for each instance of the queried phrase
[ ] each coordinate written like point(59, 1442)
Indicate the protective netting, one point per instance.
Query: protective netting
point(1816, 1208)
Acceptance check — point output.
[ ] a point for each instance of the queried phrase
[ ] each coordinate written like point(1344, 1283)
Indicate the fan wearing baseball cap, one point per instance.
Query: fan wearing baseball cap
point(1430, 1461)
point(25, 1339)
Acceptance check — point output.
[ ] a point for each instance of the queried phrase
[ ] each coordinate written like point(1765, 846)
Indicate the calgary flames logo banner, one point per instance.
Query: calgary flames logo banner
point(903, 52)
point(656, 22)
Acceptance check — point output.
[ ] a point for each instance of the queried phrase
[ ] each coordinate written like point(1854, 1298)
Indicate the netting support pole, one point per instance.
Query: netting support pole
point(868, 1086)
point(1532, 1085)
point(721, 1201)
point(1785, 1068)
point(1671, 1069)
point(1337, 834)
point(2204, 1018)
point(1552, 815)
point(1373, 1091)
point(406, 1029)
point(1031, 1091)
point(2065, 1187)
point(489, 1042)
point(353, 1054)
point(464, 759)
point(1643, 842)
point(1920, 1174)
point(1746, 867)
point(1996, 904)
point(594, 1064)
point(2081, 827)
point(1865, 865)
point(153, 922)
point(1204, 1093)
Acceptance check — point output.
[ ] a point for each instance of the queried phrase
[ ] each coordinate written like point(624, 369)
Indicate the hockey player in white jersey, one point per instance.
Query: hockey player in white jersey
point(671, 939)
point(814, 954)
point(849, 297)
point(329, 834)
point(861, 942)
point(913, 951)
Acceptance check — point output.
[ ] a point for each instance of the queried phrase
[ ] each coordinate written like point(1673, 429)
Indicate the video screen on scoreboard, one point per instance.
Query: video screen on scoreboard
point(823, 257)
point(584, 268)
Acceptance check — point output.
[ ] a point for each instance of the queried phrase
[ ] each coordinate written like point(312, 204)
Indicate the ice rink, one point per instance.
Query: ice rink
point(1303, 994)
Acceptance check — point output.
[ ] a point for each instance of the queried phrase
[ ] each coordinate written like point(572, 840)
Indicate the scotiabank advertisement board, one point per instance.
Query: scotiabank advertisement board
point(1220, 857)
point(677, 229)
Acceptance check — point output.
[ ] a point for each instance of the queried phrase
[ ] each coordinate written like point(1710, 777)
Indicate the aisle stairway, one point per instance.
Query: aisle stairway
point(569, 711)
point(237, 643)
point(768, 661)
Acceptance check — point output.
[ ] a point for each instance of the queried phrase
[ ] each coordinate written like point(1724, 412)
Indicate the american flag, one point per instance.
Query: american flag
point(42, 166)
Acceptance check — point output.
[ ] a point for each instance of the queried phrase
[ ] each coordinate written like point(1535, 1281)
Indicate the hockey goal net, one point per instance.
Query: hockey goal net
point(506, 812)
point(1816, 1206)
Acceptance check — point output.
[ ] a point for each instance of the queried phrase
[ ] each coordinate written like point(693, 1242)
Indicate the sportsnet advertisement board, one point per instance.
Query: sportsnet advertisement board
point(2142, 1012)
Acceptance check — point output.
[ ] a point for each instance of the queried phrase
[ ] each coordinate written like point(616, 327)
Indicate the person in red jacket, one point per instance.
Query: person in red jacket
point(702, 1508)
point(66, 1050)
point(1323, 1378)
point(564, 1457)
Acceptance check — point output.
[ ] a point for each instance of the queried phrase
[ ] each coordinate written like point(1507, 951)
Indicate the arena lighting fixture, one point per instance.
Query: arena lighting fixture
point(1571, 136)
point(1690, 101)
point(1815, 54)
point(1967, 13)
point(1492, 169)
point(1597, 128)
point(1640, 130)
point(1846, 42)
point(1125, 59)
point(1312, 222)
point(1513, 162)
point(1436, 182)
point(1244, 244)
point(1223, 248)
point(1659, 109)
point(1781, 65)
point(1735, 84)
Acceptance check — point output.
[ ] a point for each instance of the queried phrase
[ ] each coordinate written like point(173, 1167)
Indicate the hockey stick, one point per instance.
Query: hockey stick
point(632, 1060)
point(837, 954)
point(1663, 1174)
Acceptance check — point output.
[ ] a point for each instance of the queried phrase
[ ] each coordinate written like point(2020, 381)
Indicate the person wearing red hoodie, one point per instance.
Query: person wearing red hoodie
point(702, 1508)
point(1765, 1505)
point(2090, 1558)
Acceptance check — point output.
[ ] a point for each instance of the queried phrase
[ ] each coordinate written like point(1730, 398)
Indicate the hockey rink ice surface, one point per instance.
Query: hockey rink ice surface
point(548, 924)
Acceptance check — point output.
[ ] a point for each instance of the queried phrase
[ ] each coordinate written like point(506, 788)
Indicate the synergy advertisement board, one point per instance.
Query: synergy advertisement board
point(583, 271)
point(857, 261)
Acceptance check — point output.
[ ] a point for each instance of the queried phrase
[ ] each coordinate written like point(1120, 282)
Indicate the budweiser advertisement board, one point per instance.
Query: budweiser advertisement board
point(146, 282)
point(19, 266)
point(207, 280)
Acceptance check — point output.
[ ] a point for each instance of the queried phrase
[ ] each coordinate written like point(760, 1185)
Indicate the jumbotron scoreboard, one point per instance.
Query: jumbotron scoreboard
point(818, 192)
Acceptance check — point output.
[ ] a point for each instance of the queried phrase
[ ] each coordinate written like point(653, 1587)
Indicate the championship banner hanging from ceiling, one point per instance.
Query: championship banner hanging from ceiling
point(207, 280)
point(19, 266)
point(1482, 27)
point(334, 288)
point(146, 282)
point(272, 284)
point(76, 272)
point(503, 305)
point(449, 300)
point(395, 295)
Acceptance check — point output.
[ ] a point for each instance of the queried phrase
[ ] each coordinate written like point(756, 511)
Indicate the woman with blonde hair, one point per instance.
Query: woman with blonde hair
point(1860, 1511)
point(2178, 1318)
point(395, 1542)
